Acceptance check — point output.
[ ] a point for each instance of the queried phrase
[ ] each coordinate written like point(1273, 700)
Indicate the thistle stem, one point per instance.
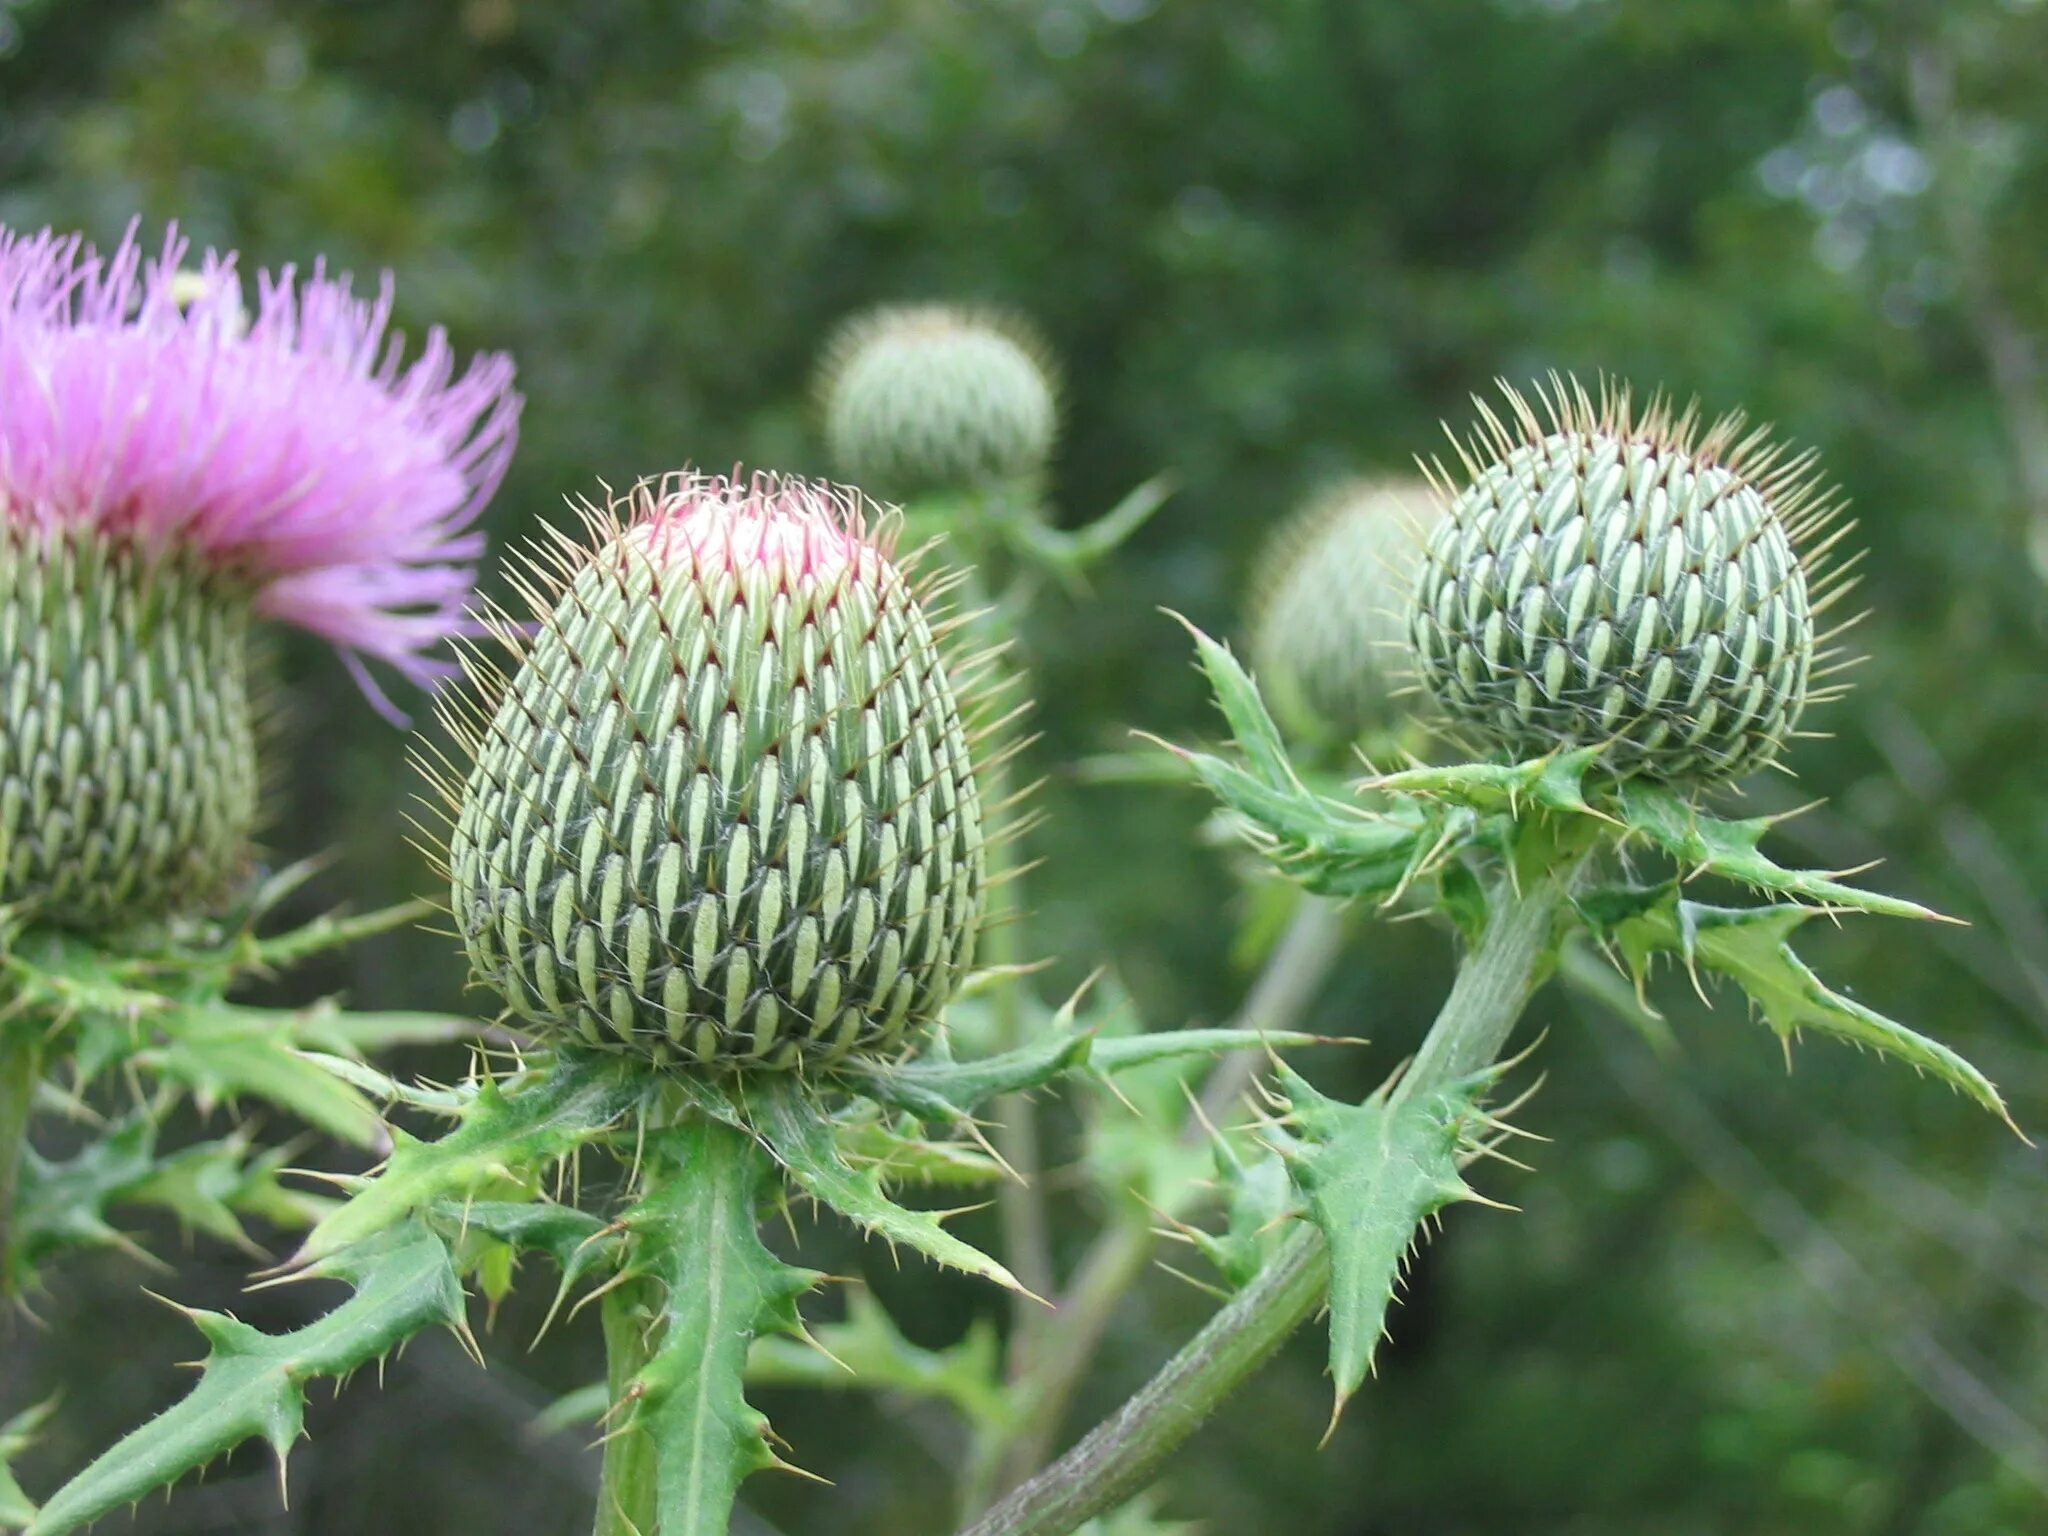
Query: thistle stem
point(1121, 1455)
point(626, 1500)
point(21, 1065)
point(1294, 972)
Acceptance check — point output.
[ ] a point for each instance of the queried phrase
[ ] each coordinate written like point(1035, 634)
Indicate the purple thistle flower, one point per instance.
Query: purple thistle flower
point(293, 450)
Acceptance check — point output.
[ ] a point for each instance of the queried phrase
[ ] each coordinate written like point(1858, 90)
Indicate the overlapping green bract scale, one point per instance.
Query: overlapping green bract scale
point(923, 398)
point(128, 784)
point(724, 813)
point(1608, 584)
point(1329, 611)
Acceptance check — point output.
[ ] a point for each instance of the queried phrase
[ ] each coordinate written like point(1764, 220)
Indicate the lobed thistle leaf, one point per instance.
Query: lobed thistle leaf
point(503, 1141)
point(209, 1187)
point(1371, 1175)
point(796, 1132)
point(1752, 946)
point(1331, 848)
point(1328, 614)
point(935, 397)
point(697, 1233)
point(867, 1352)
point(253, 1384)
point(1628, 580)
point(724, 813)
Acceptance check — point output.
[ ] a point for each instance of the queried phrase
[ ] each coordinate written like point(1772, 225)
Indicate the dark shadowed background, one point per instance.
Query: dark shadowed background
point(1270, 242)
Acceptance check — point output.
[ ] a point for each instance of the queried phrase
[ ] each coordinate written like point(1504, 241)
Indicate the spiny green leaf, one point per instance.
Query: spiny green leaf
point(697, 1232)
point(1752, 946)
point(867, 1352)
point(254, 1384)
point(16, 1435)
point(1122, 1053)
point(348, 1033)
point(504, 1141)
point(799, 1133)
point(1371, 1174)
point(952, 1090)
point(221, 1051)
point(1700, 842)
point(1258, 1196)
point(906, 1158)
point(1072, 553)
point(1328, 845)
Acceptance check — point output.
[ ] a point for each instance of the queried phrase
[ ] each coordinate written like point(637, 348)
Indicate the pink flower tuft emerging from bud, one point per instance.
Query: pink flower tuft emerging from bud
point(287, 446)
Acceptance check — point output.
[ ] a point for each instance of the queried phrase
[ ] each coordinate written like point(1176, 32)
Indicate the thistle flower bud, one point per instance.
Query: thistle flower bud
point(1329, 606)
point(173, 468)
point(723, 813)
point(931, 397)
point(1634, 582)
point(128, 758)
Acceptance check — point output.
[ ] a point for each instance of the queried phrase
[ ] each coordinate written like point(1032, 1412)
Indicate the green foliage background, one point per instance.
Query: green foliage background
point(1272, 242)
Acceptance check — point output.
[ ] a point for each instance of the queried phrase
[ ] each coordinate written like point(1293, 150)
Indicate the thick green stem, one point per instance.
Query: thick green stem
point(1293, 974)
point(626, 1500)
point(1121, 1455)
point(21, 1065)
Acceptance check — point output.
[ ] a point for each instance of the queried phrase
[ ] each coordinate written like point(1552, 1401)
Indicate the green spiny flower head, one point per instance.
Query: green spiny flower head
point(128, 779)
point(934, 397)
point(1329, 605)
point(722, 814)
point(1633, 581)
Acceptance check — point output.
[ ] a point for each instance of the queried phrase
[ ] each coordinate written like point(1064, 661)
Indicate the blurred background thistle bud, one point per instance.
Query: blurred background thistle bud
point(927, 399)
point(1328, 619)
point(1628, 579)
point(723, 813)
point(175, 468)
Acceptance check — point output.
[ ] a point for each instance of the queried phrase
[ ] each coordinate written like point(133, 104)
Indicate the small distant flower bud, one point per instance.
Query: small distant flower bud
point(1329, 611)
point(931, 397)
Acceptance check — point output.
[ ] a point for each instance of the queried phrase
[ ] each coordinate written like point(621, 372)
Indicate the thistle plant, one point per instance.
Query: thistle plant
point(1624, 607)
point(716, 843)
point(179, 469)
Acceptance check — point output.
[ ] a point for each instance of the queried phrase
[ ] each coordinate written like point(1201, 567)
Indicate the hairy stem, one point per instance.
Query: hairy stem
point(1121, 1455)
point(626, 1500)
point(20, 1069)
point(1293, 974)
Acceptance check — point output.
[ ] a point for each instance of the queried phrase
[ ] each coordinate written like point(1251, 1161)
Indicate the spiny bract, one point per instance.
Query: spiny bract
point(1329, 605)
point(1629, 581)
point(933, 397)
point(724, 813)
point(128, 759)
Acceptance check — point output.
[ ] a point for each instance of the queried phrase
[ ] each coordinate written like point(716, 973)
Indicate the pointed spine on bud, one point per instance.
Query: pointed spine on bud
point(722, 811)
point(1631, 579)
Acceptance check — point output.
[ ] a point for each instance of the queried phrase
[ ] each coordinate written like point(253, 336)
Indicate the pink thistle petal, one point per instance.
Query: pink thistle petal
point(292, 448)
